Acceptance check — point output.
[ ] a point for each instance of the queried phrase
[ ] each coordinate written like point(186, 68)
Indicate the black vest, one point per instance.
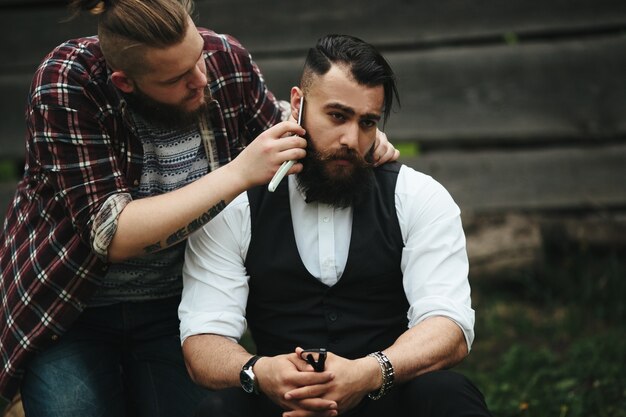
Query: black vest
point(287, 307)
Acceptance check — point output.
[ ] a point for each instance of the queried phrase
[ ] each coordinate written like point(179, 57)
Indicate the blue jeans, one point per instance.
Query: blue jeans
point(118, 360)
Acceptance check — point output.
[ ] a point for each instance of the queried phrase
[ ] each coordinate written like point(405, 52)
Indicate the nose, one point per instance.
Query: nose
point(350, 137)
point(197, 79)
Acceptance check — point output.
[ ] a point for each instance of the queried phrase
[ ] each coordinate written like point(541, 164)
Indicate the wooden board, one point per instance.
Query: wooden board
point(13, 90)
point(472, 97)
point(542, 179)
point(500, 95)
point(290, 25)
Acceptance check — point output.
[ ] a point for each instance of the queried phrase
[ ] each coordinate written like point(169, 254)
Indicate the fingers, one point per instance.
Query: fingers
point(313, 407)
point(285, 139)
point(311, 378)
point(285, 129)
point(310, 391)
point(384, 151)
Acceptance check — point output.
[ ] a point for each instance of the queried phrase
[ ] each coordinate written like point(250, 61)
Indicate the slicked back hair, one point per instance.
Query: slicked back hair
point(366, 65)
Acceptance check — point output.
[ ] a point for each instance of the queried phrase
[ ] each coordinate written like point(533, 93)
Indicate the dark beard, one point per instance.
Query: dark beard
point(170, 116)
point(345, 187)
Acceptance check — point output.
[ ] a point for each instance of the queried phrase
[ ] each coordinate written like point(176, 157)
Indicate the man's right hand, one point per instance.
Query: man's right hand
point(280, 374)
point(259, 161)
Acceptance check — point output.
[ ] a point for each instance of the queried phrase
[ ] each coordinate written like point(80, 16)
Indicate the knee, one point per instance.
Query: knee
point(444, 381)
point(444, 393)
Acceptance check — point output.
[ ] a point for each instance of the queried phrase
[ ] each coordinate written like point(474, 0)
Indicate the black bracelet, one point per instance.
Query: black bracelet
point(388, 375)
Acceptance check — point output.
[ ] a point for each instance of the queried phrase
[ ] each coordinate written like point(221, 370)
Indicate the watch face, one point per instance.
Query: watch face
point(246, 377)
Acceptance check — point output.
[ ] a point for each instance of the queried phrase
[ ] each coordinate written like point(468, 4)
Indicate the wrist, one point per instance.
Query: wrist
point(387, 373)
point(237, 177)
point(373, 378)
point(247, 377)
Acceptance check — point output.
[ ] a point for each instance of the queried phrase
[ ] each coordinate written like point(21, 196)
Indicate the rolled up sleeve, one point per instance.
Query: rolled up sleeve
point(215, 281)
point(434, 259)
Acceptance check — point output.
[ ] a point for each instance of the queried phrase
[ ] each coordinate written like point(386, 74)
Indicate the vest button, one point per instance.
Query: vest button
point(332, 316)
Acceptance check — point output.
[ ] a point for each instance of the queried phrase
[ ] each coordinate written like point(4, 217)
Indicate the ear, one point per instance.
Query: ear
point(122, 81)
point(296, 93)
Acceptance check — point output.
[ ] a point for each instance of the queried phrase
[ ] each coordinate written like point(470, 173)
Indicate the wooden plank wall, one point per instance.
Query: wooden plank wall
point(516, 105)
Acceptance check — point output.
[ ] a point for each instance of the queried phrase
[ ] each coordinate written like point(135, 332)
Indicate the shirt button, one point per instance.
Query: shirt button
point(136, 183)
point(325, 219)
point(55, 337)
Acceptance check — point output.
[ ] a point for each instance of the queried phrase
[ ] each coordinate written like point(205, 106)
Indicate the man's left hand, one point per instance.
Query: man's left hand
point(384, 151)
point(353, 380)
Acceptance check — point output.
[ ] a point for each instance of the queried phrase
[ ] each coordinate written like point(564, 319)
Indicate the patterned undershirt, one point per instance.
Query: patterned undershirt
point(172, 158)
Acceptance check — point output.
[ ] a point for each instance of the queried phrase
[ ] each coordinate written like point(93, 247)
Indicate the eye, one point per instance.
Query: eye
point(337, 116)
point(368, 124)
point(173, 81)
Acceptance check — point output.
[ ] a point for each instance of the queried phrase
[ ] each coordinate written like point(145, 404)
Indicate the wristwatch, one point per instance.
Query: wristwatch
point(247, 378)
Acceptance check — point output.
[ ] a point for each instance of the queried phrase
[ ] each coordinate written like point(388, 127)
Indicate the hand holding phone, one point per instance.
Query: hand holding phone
point(315, 357)
point(286, 166)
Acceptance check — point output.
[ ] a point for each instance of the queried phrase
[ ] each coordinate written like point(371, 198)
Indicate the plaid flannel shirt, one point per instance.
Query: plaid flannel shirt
point(80, 150)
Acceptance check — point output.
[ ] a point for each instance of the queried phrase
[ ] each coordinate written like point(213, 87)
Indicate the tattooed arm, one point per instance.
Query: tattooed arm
point(151, 224)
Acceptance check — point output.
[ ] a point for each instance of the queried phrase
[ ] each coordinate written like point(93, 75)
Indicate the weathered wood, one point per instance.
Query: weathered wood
point(502, 243)
point(600, 229)
point(514, 242)
point(566, 178)
point(13, 90)
point(285, 25)
point(535, 92)
point(288, 25)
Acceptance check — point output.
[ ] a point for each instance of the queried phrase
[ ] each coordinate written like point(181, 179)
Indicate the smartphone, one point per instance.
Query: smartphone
point(282, 171)
point(315, 357)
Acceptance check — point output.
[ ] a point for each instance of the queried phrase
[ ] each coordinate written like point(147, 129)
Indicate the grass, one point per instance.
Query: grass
point(552, 342)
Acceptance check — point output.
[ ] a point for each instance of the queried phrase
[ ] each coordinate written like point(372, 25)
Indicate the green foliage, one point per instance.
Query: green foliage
point(7, 170)
point(553, 343)
point(511, 38)
point(408, 149)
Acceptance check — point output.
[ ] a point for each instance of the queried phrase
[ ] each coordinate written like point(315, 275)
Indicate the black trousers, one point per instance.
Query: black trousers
point(434, 394)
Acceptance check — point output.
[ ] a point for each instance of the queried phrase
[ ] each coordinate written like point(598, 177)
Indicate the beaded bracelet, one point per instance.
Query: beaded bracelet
point(388, 375)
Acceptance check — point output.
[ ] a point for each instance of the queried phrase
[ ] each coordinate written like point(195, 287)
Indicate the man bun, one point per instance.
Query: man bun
point(94, 7)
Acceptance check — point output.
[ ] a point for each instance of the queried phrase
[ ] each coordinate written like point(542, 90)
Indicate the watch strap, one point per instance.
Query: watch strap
point(251, 362)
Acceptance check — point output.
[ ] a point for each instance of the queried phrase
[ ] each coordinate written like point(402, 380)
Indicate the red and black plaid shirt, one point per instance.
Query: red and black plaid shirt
point(80, 150)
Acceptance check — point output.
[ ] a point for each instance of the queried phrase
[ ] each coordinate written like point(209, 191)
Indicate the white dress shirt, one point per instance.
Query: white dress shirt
point(434, 260)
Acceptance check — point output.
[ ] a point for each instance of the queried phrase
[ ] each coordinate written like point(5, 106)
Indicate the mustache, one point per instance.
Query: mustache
point(347, 154)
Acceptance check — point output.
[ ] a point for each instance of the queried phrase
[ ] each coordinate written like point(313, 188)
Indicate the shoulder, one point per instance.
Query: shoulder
point(76, 56)
point(75, 66)
point(409, 181)
point(413, 182)
point(219, 42)
point(420, 193)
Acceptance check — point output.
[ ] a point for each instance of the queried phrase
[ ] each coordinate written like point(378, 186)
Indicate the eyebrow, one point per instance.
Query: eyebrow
point(176, 77)
point(351, 112)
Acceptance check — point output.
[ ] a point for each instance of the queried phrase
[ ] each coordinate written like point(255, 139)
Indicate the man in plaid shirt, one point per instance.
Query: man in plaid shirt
point(128, 139)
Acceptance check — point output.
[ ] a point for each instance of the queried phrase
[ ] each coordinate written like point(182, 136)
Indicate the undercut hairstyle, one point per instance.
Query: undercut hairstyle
point(366, 65)
point(127, 27)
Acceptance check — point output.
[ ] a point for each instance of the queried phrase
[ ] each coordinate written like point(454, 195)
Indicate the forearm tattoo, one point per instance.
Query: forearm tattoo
point(184, 232)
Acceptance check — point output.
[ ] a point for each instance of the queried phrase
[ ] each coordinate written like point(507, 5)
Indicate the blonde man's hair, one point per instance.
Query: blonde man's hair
point(127, 27)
